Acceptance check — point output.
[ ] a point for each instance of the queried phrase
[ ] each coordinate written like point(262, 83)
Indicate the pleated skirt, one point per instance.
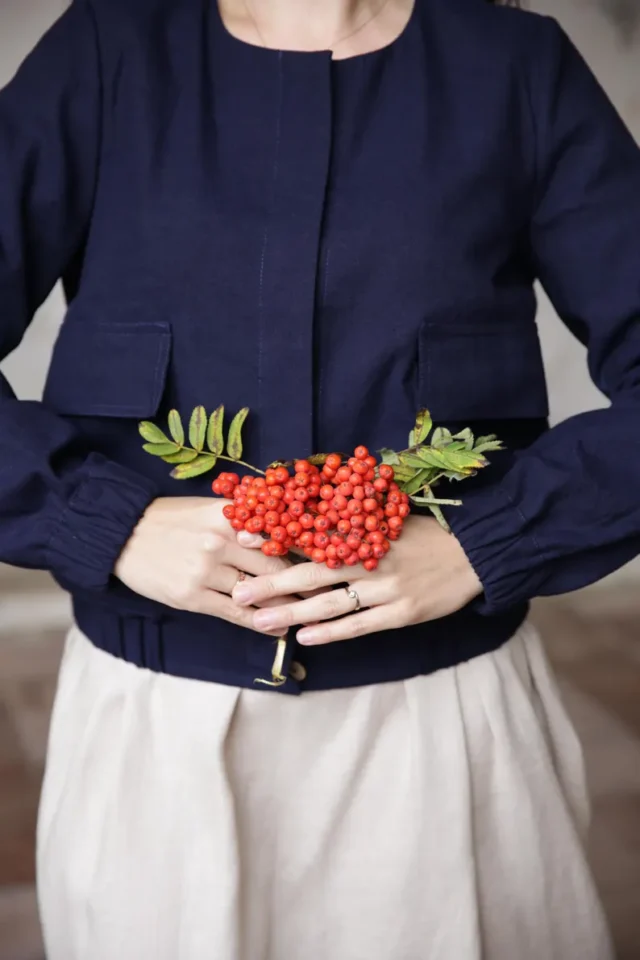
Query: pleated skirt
point(438, 818)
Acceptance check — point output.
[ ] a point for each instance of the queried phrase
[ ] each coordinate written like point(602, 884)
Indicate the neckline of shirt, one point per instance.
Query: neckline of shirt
point(247, 47)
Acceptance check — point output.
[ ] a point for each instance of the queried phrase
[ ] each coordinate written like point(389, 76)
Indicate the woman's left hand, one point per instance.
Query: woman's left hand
point(425, 575)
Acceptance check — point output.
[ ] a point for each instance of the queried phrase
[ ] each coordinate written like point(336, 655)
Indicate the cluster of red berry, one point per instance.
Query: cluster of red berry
point(342, 513)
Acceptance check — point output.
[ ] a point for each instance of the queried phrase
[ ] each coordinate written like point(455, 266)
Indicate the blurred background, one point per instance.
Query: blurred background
point(593, 636)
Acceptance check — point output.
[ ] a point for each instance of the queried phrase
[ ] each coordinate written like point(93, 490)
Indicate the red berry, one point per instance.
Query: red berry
point(344, 551)
point(301, 479)
point(328, 473)
point(269, 548)
point(327, 492)
point(237, 524)
point(242, 513)
point(361, 453)
point(357, 520)
point(358, 492)
point(371, 523)
point(354, 541)
point(322, 523)
point(216, 486)
point(333, 461)
point(306, 538)
point(318, 555)
point(334, 564)
point(281, 474)
point(308, 551)
point(393, 535)
point(404, 510)
point(321, 539)
point(324, 506)
point(302, 494)
point(333, 517)
point(391, 510)
point(370, 564)
point(364, 551)
point(383, 527)
point(360, 467)
point(346, 489)
point(296, 509)
point(294, 529)
point(271, 518)
point(355, 506)
point(344, 473)
point(394, 497)
point(339, 502)
point(370, 505)
point(302, 466)
point(306, 521)
point(374, 536)
point(344, 527)
point(378, 551)
point(279, 534)
point(381, 484)
point(336, 539)
point(386, 471)
point(332, 551)
point(396, 523)
point(352, 560)
point(229, 511)
point(314, 490)
point(371, 461)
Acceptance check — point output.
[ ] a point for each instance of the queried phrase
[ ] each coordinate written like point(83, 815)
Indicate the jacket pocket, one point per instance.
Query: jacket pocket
point(108, 369)
point(477, 367)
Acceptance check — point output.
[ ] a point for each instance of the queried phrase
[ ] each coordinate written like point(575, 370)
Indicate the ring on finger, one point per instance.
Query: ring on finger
point(353, 595)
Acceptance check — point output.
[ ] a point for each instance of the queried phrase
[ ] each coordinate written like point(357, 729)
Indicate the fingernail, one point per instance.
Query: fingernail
point(242, 593)
point(265, 620)
point(246, 539)
point(307, 636)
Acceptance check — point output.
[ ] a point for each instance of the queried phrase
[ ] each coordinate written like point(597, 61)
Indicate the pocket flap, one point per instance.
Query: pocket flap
point(482, 368)
point(108, 369)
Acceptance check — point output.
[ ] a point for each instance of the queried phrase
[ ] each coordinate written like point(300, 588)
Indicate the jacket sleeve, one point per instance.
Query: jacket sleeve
point(567, 511)
point(57, 511)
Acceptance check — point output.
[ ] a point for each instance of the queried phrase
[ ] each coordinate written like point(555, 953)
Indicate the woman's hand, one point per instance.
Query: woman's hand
point(425, 575)
point(184, 553)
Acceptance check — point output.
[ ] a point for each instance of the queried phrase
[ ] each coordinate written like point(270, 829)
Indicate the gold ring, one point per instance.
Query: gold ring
point(353, 595)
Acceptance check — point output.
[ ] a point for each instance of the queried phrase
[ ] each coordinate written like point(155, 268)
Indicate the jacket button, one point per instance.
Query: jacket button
point(297, 672)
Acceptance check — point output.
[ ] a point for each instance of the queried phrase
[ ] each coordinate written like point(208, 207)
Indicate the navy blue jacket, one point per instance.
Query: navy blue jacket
point(332, 244)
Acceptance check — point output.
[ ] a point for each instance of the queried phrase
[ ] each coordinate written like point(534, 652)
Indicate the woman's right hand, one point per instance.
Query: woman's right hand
point(184, 553)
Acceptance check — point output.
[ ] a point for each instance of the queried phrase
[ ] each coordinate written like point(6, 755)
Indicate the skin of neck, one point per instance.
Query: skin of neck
point(315, 24)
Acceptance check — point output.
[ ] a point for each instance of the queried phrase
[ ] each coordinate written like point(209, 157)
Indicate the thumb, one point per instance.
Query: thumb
point(252, 540)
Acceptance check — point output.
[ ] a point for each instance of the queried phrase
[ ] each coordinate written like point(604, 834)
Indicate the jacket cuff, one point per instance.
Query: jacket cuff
point(99, 518)
point(493, 533)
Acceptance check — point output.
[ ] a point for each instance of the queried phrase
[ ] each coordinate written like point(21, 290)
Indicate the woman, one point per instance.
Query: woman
point(332, 213)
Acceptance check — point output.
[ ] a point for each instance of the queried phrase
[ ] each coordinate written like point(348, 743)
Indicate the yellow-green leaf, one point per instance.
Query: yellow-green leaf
point(198, 466)
point(215, 435)
point(389, 456)
point(422, 428)
point(417, 482)
point(175, 427)
point(461, 461)
point(182, 456)
point(152, 434)
point(234, 440)
point(412, 461)
point(441, 436)
point(198, 428)
point(160, 449)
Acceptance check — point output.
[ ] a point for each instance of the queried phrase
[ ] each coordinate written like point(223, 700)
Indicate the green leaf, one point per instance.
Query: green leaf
point(488, 444)
point(411, 460)
point(234, 440)
point(200, 465)
point(441, 436)
point(215, 435)
point(389, 456)
point(152, 434)
point(467, 436)
point(198, 428)
point(186, 455)
point(429, 501)
point(422, 428)
point(417, 482)
point(462, 461)
point(160, 449)
point(176, 428)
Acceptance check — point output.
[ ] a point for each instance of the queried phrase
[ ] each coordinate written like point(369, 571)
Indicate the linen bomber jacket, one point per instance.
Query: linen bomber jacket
point(333, 244)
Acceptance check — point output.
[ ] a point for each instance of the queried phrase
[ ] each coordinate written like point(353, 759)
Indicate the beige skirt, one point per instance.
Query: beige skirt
point(440, 818)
